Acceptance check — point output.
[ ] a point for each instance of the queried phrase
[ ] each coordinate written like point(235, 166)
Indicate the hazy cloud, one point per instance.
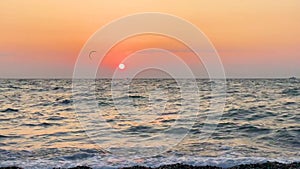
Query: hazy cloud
point(4, 54)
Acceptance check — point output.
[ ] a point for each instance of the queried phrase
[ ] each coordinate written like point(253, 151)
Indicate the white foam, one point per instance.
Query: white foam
point(112, 162)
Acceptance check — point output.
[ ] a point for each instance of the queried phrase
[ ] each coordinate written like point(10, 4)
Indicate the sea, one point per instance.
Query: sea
point(46, 123)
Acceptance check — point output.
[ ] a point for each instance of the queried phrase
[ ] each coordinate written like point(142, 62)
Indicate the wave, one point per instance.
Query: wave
point(44, 124)
point(291, 92)
point(9, 110)
point(98, 162)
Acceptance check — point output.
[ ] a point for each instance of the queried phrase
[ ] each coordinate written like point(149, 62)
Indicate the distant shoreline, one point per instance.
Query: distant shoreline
point(267, 165)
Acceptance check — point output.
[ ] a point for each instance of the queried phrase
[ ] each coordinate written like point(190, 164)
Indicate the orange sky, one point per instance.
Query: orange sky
point(254, 38)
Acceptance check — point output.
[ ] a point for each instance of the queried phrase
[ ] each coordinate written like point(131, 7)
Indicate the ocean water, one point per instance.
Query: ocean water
point(42, 125)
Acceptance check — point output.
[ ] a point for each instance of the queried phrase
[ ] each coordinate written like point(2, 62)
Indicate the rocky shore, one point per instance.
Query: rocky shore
point(267, 165)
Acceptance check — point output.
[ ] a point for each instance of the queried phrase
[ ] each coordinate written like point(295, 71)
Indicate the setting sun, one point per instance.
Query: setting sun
point(121, 66)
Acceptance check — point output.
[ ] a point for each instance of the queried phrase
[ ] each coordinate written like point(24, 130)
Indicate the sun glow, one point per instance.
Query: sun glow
point(121, 66)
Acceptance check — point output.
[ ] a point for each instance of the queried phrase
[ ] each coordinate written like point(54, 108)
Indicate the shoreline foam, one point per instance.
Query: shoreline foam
point(267, 165)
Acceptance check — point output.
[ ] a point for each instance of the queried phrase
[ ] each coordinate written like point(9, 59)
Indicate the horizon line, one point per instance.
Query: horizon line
point(106, 78)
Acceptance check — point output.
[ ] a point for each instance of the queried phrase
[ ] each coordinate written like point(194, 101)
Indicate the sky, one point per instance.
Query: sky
point(254, 38)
